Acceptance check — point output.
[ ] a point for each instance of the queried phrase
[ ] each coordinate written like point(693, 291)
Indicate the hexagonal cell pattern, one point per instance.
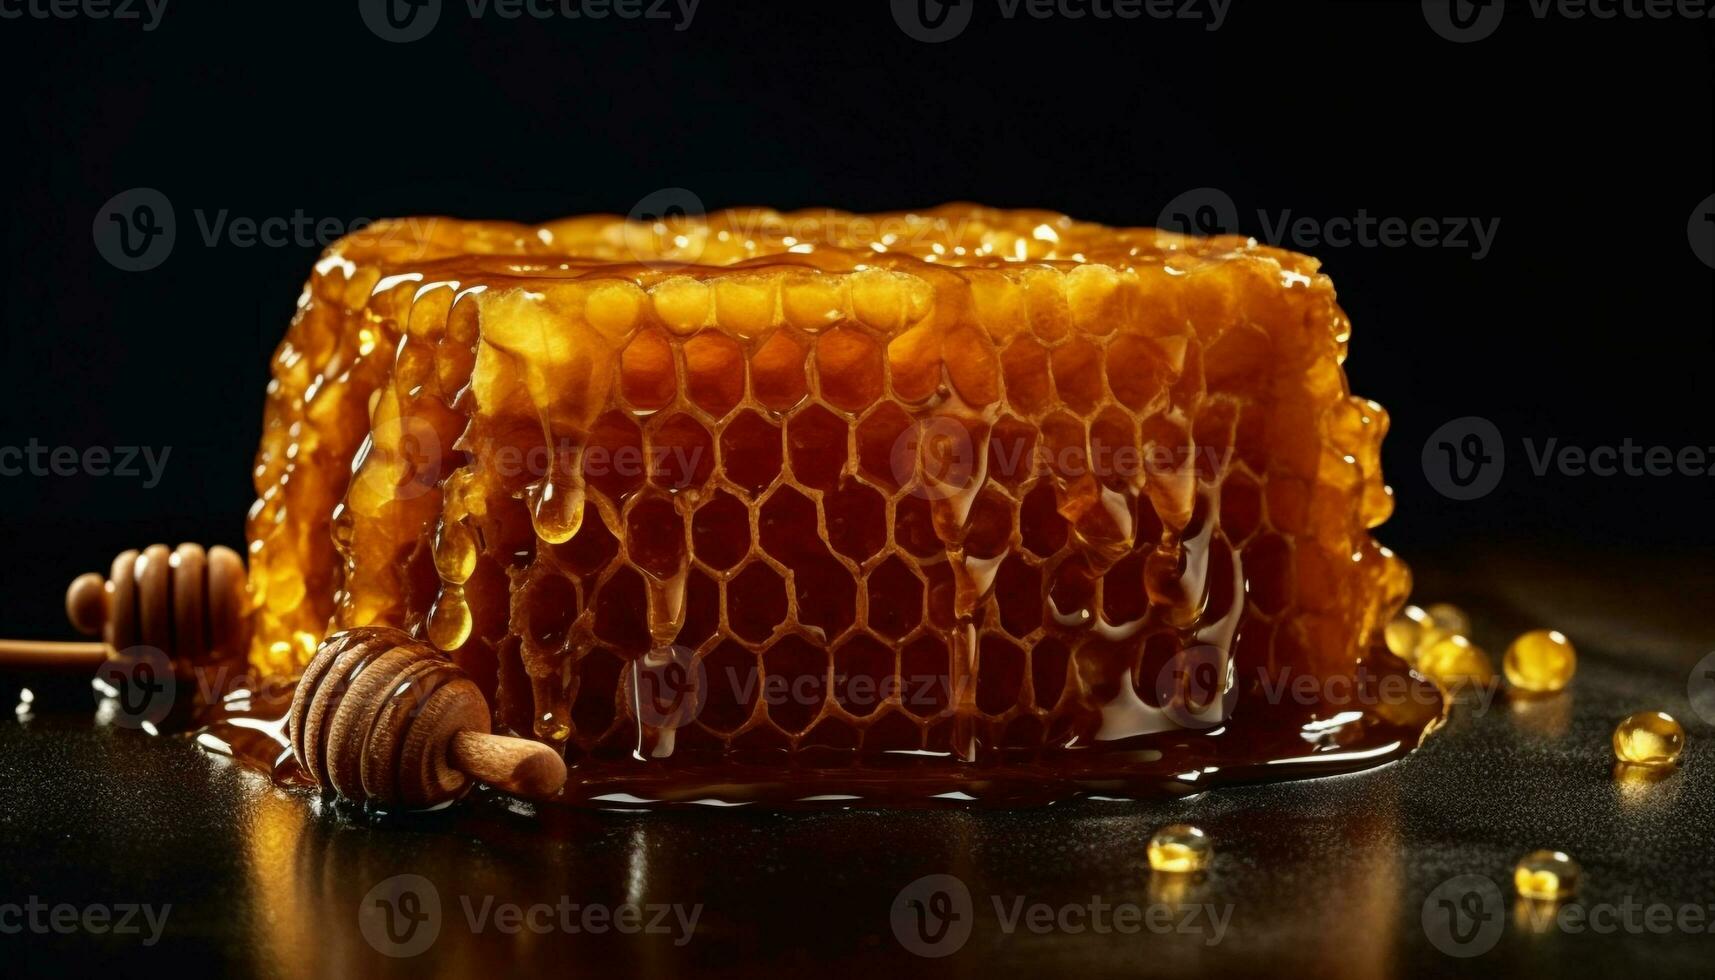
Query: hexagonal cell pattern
point(954, 488)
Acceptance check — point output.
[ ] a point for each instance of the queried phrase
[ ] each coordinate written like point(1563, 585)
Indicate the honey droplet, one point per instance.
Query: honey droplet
point(1540, 661)
point(450, 619)
point(556, 510)
point(455, 552)
point(1546, 875)
point(1449, 618)
point(1179, 849)
point(1404, 634)
point(1454, 662)
point(1649, 738)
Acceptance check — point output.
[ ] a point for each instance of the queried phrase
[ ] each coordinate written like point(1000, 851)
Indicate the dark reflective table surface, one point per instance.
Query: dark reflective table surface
point(1352, 876)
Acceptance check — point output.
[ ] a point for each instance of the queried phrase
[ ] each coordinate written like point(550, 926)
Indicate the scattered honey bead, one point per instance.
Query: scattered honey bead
point(1649, 738)
point(1540, 661)
point(1546, 875)
point(1449, 618)
point(1405, 632)
point(1454, 661)
point(1179, 849)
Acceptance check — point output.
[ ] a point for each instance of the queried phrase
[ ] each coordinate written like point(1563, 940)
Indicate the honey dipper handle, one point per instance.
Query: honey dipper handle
point(517, 765)
point(43, 655)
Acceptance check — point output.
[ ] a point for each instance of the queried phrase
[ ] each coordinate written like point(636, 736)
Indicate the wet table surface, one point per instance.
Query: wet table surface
point(1397, 871)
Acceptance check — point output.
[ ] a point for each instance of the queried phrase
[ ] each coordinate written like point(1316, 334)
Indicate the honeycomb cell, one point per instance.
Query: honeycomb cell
point(702, 610)
point(620, 605)
point(787, 527)
point(720, 531)
point(1241, 507)
point(1029, 386)
point(826, 593)
point(681, 453)
point(879, 438)
point(714, 372)
point(1078, 374)
point(613, 461)
point(797, 682)
point(1018, 595)
point(1132, 375)
point(595, 708)
point(1039, 522)
point(777, 371)
point(895, 598)
point(734, 683)
point(756, 602)
point(925, 677)
point(857, 520)
point(750, 451)
point(646, 371)
point(590, 550)
point(988, 527)
point(550, 604)
point(816, 443)
point(1012, 452)
point(848, 368)
point(1048, 662)
point(1000, 675)
point(914, 526)
point(655, 537)
point(864, 674)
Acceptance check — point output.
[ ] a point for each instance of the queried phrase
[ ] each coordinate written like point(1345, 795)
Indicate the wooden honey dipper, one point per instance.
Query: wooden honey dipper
point(186, 602)
point(383, 718)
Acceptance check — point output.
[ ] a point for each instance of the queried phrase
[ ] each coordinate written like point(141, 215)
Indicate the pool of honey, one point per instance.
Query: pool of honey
point(1382, 717)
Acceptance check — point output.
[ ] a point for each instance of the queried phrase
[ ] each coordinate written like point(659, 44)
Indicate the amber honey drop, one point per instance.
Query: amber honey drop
point(1180, 848)
point(1649, 738)
point(1540, 662)
point(1449, 618)
point(1456, 662)
point(1546, 876)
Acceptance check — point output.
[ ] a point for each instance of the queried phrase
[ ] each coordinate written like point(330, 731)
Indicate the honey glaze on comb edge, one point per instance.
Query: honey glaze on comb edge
point(1044, 331)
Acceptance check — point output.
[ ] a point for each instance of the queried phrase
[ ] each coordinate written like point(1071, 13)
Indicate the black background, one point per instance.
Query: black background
point(1591, 142)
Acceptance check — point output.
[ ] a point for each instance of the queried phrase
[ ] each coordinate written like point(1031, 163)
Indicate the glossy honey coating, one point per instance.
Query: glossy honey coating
point(826, 448)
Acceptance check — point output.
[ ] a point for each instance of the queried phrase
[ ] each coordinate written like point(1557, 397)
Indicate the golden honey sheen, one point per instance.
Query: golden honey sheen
point(959, 485)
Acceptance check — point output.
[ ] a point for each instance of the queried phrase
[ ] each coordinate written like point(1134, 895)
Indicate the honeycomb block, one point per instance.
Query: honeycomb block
point(957, 482)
